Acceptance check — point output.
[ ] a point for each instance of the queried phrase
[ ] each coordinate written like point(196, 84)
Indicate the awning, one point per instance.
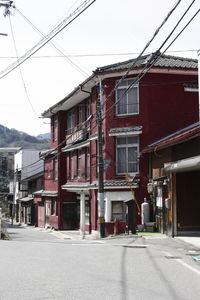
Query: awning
point(46, 193)
point(76, 146)
point(184, 165)
point(26, 199)
point(76, 187)
point(125, 131)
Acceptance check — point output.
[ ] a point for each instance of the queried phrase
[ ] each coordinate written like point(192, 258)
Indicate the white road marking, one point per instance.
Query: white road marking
point(183, 263)
point(188, 266)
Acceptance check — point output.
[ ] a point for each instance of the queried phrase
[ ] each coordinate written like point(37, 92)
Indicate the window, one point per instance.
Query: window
point(70, 121)
point(55, 169)
point(127, 149)
point(127, 101)
point(118, 211)
point(88, 163)
point(53, 207)
point(55, 128)
point(97, 160)
point(87, 113)
point(87, 109)
point(48, 172)
point(79, 164)
point(87, 211)
point(80, 115)
point(71, 158)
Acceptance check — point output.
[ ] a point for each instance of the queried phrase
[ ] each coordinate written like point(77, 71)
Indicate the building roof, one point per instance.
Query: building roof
point(46, 193)
point(10, 149)
point(108, 184)
point(83, 90)
point(183, 135)
point(165, 61)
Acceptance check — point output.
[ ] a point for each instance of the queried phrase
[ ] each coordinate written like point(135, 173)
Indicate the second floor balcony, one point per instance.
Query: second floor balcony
point(75, 135)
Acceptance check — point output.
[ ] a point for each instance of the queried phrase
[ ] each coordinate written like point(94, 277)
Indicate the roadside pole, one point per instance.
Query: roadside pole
point(100, 165)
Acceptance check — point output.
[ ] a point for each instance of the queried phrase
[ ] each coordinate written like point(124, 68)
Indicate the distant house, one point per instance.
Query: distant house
point(28, 178)
point(6, 167)
point(162, 102)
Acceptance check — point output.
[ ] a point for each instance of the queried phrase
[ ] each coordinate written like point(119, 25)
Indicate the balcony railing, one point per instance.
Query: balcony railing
point(76, 135)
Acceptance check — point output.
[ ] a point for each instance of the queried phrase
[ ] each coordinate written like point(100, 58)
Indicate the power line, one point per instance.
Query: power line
point(151, 61)
point(20, 71)
point(146, 69)
point(67, 21)
point(144, 49)
point(132, 65)
point(97, 54)
point(62, 55)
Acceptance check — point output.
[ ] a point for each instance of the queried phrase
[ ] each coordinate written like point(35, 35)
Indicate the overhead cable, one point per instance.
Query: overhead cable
point(66, 57)
point(151, 62)
point(20, 71)
point(146, 46)
point(98, 54)
point(62, 25)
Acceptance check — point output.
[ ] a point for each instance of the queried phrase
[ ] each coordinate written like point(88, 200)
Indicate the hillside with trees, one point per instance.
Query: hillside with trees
point(15, 138)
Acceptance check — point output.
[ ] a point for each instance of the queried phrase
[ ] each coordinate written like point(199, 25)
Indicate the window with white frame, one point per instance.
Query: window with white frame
point(127, 150)
point(127, 101)
point(118, 211)
point(79, 163)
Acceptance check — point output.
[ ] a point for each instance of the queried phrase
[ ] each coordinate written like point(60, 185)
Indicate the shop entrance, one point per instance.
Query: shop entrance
point(70, 216)
point(188, 201)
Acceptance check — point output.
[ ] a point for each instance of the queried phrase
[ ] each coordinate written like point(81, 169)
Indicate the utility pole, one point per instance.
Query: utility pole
point(100, 165)
point(7, 5)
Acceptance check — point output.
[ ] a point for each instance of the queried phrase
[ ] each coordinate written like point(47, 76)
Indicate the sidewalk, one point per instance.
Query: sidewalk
point(70, 234)
point(76, 235)
point(192, 238)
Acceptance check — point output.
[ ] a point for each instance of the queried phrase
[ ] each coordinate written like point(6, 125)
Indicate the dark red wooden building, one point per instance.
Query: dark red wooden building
point(135, 113)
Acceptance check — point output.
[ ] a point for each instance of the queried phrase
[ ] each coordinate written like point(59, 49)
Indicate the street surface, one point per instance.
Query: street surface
point(38, 265)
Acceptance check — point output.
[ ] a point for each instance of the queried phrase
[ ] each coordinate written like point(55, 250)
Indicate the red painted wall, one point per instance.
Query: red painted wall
point(164, 107)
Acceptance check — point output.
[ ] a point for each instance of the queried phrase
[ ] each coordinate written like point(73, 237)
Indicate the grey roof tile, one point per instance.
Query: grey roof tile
point(165, 61)
point(125, 129)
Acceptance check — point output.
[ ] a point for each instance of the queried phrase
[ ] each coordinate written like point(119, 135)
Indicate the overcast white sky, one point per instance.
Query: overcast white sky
point(107, 27)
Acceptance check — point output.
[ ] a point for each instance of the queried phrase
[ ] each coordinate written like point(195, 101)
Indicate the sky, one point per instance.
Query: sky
point(109, 31)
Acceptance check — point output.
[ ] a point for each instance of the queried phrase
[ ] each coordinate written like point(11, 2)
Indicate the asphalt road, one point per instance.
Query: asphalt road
point(38, 265)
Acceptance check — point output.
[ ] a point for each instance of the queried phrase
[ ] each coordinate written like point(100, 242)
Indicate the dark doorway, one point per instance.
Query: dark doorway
point(188, 201)
point(70, 221)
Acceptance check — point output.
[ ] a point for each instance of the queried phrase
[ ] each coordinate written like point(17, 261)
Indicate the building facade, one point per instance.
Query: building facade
point(175, 173)
point(28, 178)
point(137, 109)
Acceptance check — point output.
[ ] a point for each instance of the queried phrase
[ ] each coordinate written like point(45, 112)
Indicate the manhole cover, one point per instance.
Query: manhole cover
point(134, 246)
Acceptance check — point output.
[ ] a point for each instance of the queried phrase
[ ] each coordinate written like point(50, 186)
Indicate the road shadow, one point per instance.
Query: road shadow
point(123, 270)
